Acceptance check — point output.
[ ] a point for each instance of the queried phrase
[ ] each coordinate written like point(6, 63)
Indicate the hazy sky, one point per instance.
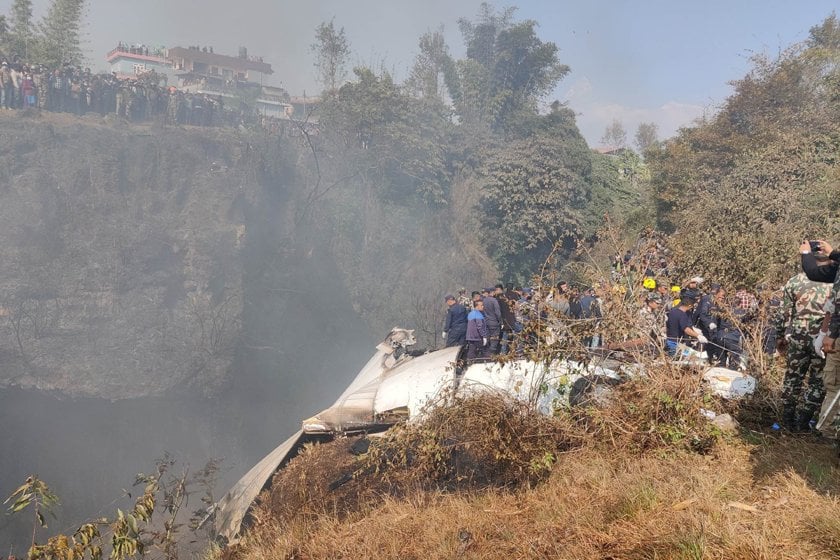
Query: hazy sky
point(636, 60)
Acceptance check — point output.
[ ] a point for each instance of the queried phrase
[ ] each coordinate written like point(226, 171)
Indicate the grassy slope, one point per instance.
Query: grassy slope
point(755, 495)
point(769, 499)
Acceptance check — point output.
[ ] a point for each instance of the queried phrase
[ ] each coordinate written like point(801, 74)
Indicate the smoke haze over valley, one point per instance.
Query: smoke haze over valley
point(183, 271)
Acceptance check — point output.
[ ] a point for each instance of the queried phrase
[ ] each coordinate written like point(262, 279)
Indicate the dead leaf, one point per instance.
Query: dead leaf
point(742, 507)
point(497, 512)
point(679, 506)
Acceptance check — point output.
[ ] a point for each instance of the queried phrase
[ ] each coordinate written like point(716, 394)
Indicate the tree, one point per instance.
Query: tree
point(21, 32)
point(400, 138)
point(647, 135)
point(508, 69)
point(331, 50)
point(615, 136)
point(480, 36)
point(534, 196)
point(4, 31)
point(752, 181)
point(431, 63)
point(60, 41)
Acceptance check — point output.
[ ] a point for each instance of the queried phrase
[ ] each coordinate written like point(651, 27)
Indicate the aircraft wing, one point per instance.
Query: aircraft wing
point(234, 505)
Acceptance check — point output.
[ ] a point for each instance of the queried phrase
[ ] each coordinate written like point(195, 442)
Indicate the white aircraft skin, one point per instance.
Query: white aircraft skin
point(394, 386)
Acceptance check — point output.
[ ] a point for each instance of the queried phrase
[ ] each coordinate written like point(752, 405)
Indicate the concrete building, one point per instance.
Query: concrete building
point(201, 69)
point(131, 61)
point(274, 102)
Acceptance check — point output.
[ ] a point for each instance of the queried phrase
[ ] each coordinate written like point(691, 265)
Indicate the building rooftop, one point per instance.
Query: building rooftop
point(220, 60)
point(137, 54)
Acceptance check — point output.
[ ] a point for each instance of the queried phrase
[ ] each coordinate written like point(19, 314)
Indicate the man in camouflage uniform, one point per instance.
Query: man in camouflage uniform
point(649, 334)
point(464, 299)
point(797, 323)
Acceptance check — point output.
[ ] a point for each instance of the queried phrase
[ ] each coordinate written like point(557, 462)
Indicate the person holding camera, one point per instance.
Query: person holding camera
point(797, 324)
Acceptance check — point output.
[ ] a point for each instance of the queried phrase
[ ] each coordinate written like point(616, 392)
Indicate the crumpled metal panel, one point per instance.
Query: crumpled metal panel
point(232, 508)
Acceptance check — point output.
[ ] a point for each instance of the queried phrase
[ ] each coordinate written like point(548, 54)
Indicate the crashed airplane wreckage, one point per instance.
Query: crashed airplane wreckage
point(397, 384)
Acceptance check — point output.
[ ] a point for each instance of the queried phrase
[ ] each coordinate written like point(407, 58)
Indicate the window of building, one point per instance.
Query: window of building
point(139, 69)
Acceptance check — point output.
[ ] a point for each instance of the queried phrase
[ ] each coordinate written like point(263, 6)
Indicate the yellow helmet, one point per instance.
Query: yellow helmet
point(649, 283)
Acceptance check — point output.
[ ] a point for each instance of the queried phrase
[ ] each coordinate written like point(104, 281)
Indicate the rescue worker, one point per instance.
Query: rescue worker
point(679, 327)
point(476, 332)
point(507, 301)
point(797, 323)
point(493, 319)
point(831, 370)
point(706, 318)
point(675, 296)
point(455, 326)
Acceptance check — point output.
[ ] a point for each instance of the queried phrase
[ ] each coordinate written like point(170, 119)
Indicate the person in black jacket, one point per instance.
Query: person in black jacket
point(506, 300)
point(706, 317)
point(818, 271)
point(455, 327)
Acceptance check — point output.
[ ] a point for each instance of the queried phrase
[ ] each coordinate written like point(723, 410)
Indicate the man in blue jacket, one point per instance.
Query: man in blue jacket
point(455, 326)
point(476, 332)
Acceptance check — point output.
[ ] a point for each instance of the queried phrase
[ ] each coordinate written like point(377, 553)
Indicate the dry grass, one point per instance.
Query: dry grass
point(469, 445)
point(626, 482)
point(595, 505)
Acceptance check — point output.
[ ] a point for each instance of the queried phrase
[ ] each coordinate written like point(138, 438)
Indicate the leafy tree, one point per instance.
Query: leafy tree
point(432, 63)
point(615, 136)
point(332, 49)
point(742, 188)
point(22, 33)
point(507, 70)
point(480, 35)
point(399, 138)
point(647, 134)
point(620, 189)
point(534, 194)
point(4, 31)
point(60, 41)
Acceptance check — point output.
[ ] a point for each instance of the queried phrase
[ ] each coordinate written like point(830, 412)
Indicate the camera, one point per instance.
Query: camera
point(815, 246)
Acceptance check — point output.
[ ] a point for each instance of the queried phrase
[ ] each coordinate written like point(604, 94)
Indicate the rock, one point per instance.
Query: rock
point(725, 423)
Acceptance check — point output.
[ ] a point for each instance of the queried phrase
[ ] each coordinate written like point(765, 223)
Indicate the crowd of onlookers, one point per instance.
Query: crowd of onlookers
point(488, 321)
point(78, 91)
point(671, 318)
point(697, 321)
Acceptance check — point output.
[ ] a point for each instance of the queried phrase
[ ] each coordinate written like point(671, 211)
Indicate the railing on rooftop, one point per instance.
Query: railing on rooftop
point(158, 53)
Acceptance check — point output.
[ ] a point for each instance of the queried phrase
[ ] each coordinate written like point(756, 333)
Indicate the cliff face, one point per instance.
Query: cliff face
point(138, 260)
point(122, 254)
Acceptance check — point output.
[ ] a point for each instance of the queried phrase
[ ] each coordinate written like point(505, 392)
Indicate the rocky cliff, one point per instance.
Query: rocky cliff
point(127, 254)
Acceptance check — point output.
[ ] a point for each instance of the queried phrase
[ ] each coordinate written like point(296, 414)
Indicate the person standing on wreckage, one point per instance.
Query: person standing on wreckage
point(477, 333)
point(828, 423)
point(455, 327)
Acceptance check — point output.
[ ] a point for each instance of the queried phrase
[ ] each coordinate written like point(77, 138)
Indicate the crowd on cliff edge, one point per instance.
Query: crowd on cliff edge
point(78, 91)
